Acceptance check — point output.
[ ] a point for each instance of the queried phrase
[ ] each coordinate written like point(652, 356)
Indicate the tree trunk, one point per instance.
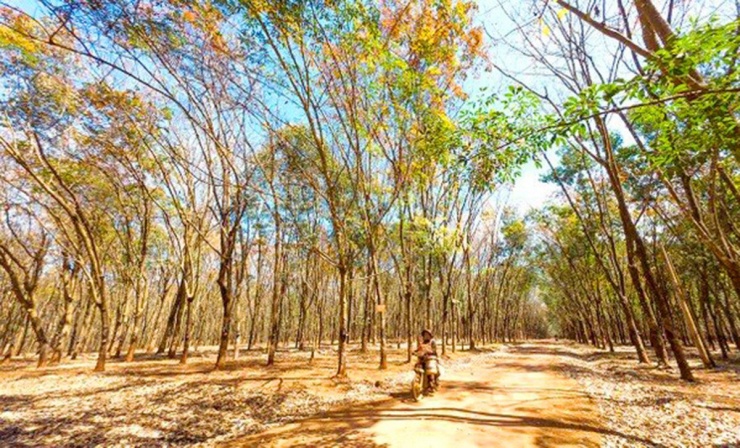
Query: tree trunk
point(142, 295)
point(634, 334)
point(366, 314)
point(277, 280)
point(469, 294)
point(257, 297)
point(177, 327)
point(171, 320)
point(188, 330)
point(342, 355)
point(729, 315)
point(687, 315)
point(381, 306)
point(409, 318)
point(80, 341)
point(103, 349)
point(636, 247)
point(225, 289)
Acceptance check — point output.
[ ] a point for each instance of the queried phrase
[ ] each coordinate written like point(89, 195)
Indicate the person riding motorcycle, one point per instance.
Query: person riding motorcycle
point(427, 348)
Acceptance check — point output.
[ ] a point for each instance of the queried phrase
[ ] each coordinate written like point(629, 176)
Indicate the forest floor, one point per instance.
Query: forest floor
point(532, 394)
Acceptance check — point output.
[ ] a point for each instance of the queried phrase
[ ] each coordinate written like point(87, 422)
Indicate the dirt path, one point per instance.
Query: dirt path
point(516, 398)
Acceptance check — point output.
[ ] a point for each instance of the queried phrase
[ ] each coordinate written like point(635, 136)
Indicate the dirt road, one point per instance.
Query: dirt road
point(518, 398)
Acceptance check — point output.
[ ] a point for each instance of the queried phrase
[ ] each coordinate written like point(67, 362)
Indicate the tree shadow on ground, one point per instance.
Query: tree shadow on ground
point(311, 433)
point(65, 432)
point(337, 428)
point(190, 418)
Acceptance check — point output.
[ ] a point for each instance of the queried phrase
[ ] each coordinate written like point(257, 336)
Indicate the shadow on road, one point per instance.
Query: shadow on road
point(343, 428)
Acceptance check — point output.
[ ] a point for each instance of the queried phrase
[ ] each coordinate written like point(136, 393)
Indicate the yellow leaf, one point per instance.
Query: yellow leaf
point(188, 16)
point(12, 39)
point(562, 13)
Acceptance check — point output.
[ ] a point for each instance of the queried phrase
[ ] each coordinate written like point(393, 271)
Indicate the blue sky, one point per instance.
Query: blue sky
point(528, 191)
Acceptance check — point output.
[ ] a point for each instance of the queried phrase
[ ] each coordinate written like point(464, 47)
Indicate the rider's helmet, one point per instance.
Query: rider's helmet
point(426, 330)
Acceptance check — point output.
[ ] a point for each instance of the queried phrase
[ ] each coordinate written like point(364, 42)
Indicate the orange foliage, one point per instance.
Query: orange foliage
point(437, 36)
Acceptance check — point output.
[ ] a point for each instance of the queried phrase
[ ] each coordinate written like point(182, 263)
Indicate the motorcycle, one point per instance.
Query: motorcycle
point(426, 377)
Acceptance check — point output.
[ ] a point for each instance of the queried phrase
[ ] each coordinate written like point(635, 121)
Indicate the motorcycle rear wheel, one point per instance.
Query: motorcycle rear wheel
point(417, 387)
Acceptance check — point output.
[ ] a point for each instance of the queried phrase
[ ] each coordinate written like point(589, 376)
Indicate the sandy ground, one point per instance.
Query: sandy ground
point(542, 394)
point(646, 406)
point(491, 400)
